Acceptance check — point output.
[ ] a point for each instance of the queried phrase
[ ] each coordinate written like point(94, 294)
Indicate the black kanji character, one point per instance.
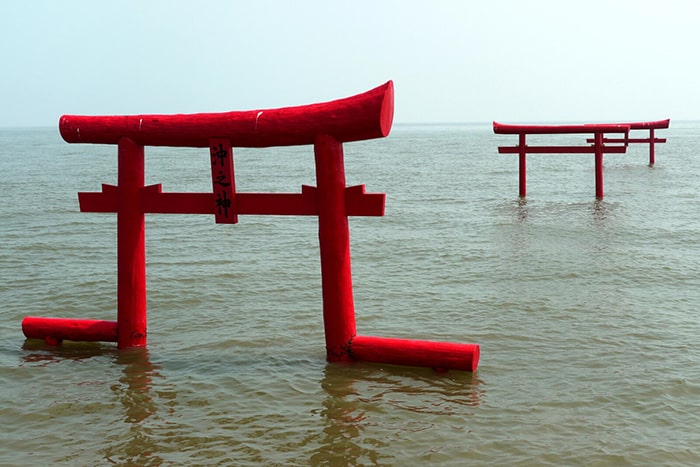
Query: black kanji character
point(223, 203)
point(220, 154)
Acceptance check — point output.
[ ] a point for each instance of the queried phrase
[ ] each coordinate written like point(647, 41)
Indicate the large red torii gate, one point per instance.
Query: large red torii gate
point(326, 126)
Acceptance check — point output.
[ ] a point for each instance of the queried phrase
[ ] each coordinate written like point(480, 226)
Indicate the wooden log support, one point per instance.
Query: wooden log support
point(55, 330)
point(438, 355)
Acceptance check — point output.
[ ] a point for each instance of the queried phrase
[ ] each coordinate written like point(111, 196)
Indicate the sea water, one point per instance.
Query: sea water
point(586, 310)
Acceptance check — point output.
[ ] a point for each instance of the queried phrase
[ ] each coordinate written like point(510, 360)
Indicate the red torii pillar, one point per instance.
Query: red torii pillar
point(334, 243)
point(326, 126)
point(131, 246)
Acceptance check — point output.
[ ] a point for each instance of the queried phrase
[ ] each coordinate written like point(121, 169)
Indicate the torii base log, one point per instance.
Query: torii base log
point(55, 330)
point(407, 352)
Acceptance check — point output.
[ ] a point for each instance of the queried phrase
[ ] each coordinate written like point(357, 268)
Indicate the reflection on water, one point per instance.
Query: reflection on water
point(38, 353)
point(600, 212)
point(134, 387)
point(363, 400)
point(133, 390)
point(344, 422)
point(130, 443)
point(521, 212)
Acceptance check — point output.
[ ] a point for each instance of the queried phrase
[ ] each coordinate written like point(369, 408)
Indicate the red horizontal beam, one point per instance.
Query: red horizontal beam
point(648, 125)
point(431, 354)
point(58, 329)
point(291, 204)
point(104, 201)
point(560, 149)
point(629, 140)
point(516, 129)
point(363, 116)
point(357, 202)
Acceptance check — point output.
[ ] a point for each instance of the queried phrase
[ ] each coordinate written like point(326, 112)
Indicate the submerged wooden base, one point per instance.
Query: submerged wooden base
point(408, 352)
point(55, 330)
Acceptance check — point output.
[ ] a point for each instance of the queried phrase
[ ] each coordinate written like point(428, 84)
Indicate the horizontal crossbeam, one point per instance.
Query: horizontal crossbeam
point(154, 201)
point(559, 149)
point(629, 140)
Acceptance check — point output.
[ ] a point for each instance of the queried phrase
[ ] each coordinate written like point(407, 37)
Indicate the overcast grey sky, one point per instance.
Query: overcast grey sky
point(451, 60)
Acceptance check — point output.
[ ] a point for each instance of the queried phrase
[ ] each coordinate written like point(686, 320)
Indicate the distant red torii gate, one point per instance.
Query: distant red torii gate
point(651, 126)
point(326, 126)
point(598, 147)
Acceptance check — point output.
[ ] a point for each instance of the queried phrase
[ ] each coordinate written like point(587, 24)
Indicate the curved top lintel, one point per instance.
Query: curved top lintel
point(363, 116)
point(514, 129)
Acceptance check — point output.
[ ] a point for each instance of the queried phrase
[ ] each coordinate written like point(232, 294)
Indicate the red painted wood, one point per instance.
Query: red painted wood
point(629, 140)
point(598, 145)
point(54, 330)
point(522, 164)
point(357, 202)
point(514, 129)
point(651, 126)
point(291, 204)
point(439, 355)
point(326, 126)
point(223, 181)
point(598, 148)
point(334, 243)
point(658, 124)
point(105, 201)
point(363, 116)
point(131, 246)
point(560, 149)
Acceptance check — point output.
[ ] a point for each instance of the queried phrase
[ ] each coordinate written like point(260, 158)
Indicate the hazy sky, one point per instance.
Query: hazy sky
point(451, 61)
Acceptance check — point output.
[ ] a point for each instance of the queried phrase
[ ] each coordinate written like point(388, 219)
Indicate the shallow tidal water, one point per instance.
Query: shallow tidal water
point(586, 310)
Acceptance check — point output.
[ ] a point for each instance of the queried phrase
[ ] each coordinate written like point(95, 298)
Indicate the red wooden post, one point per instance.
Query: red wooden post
point(334, 243)
point(598, 164)
point(131, 247)
point(651, 147)
point(522, 164)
